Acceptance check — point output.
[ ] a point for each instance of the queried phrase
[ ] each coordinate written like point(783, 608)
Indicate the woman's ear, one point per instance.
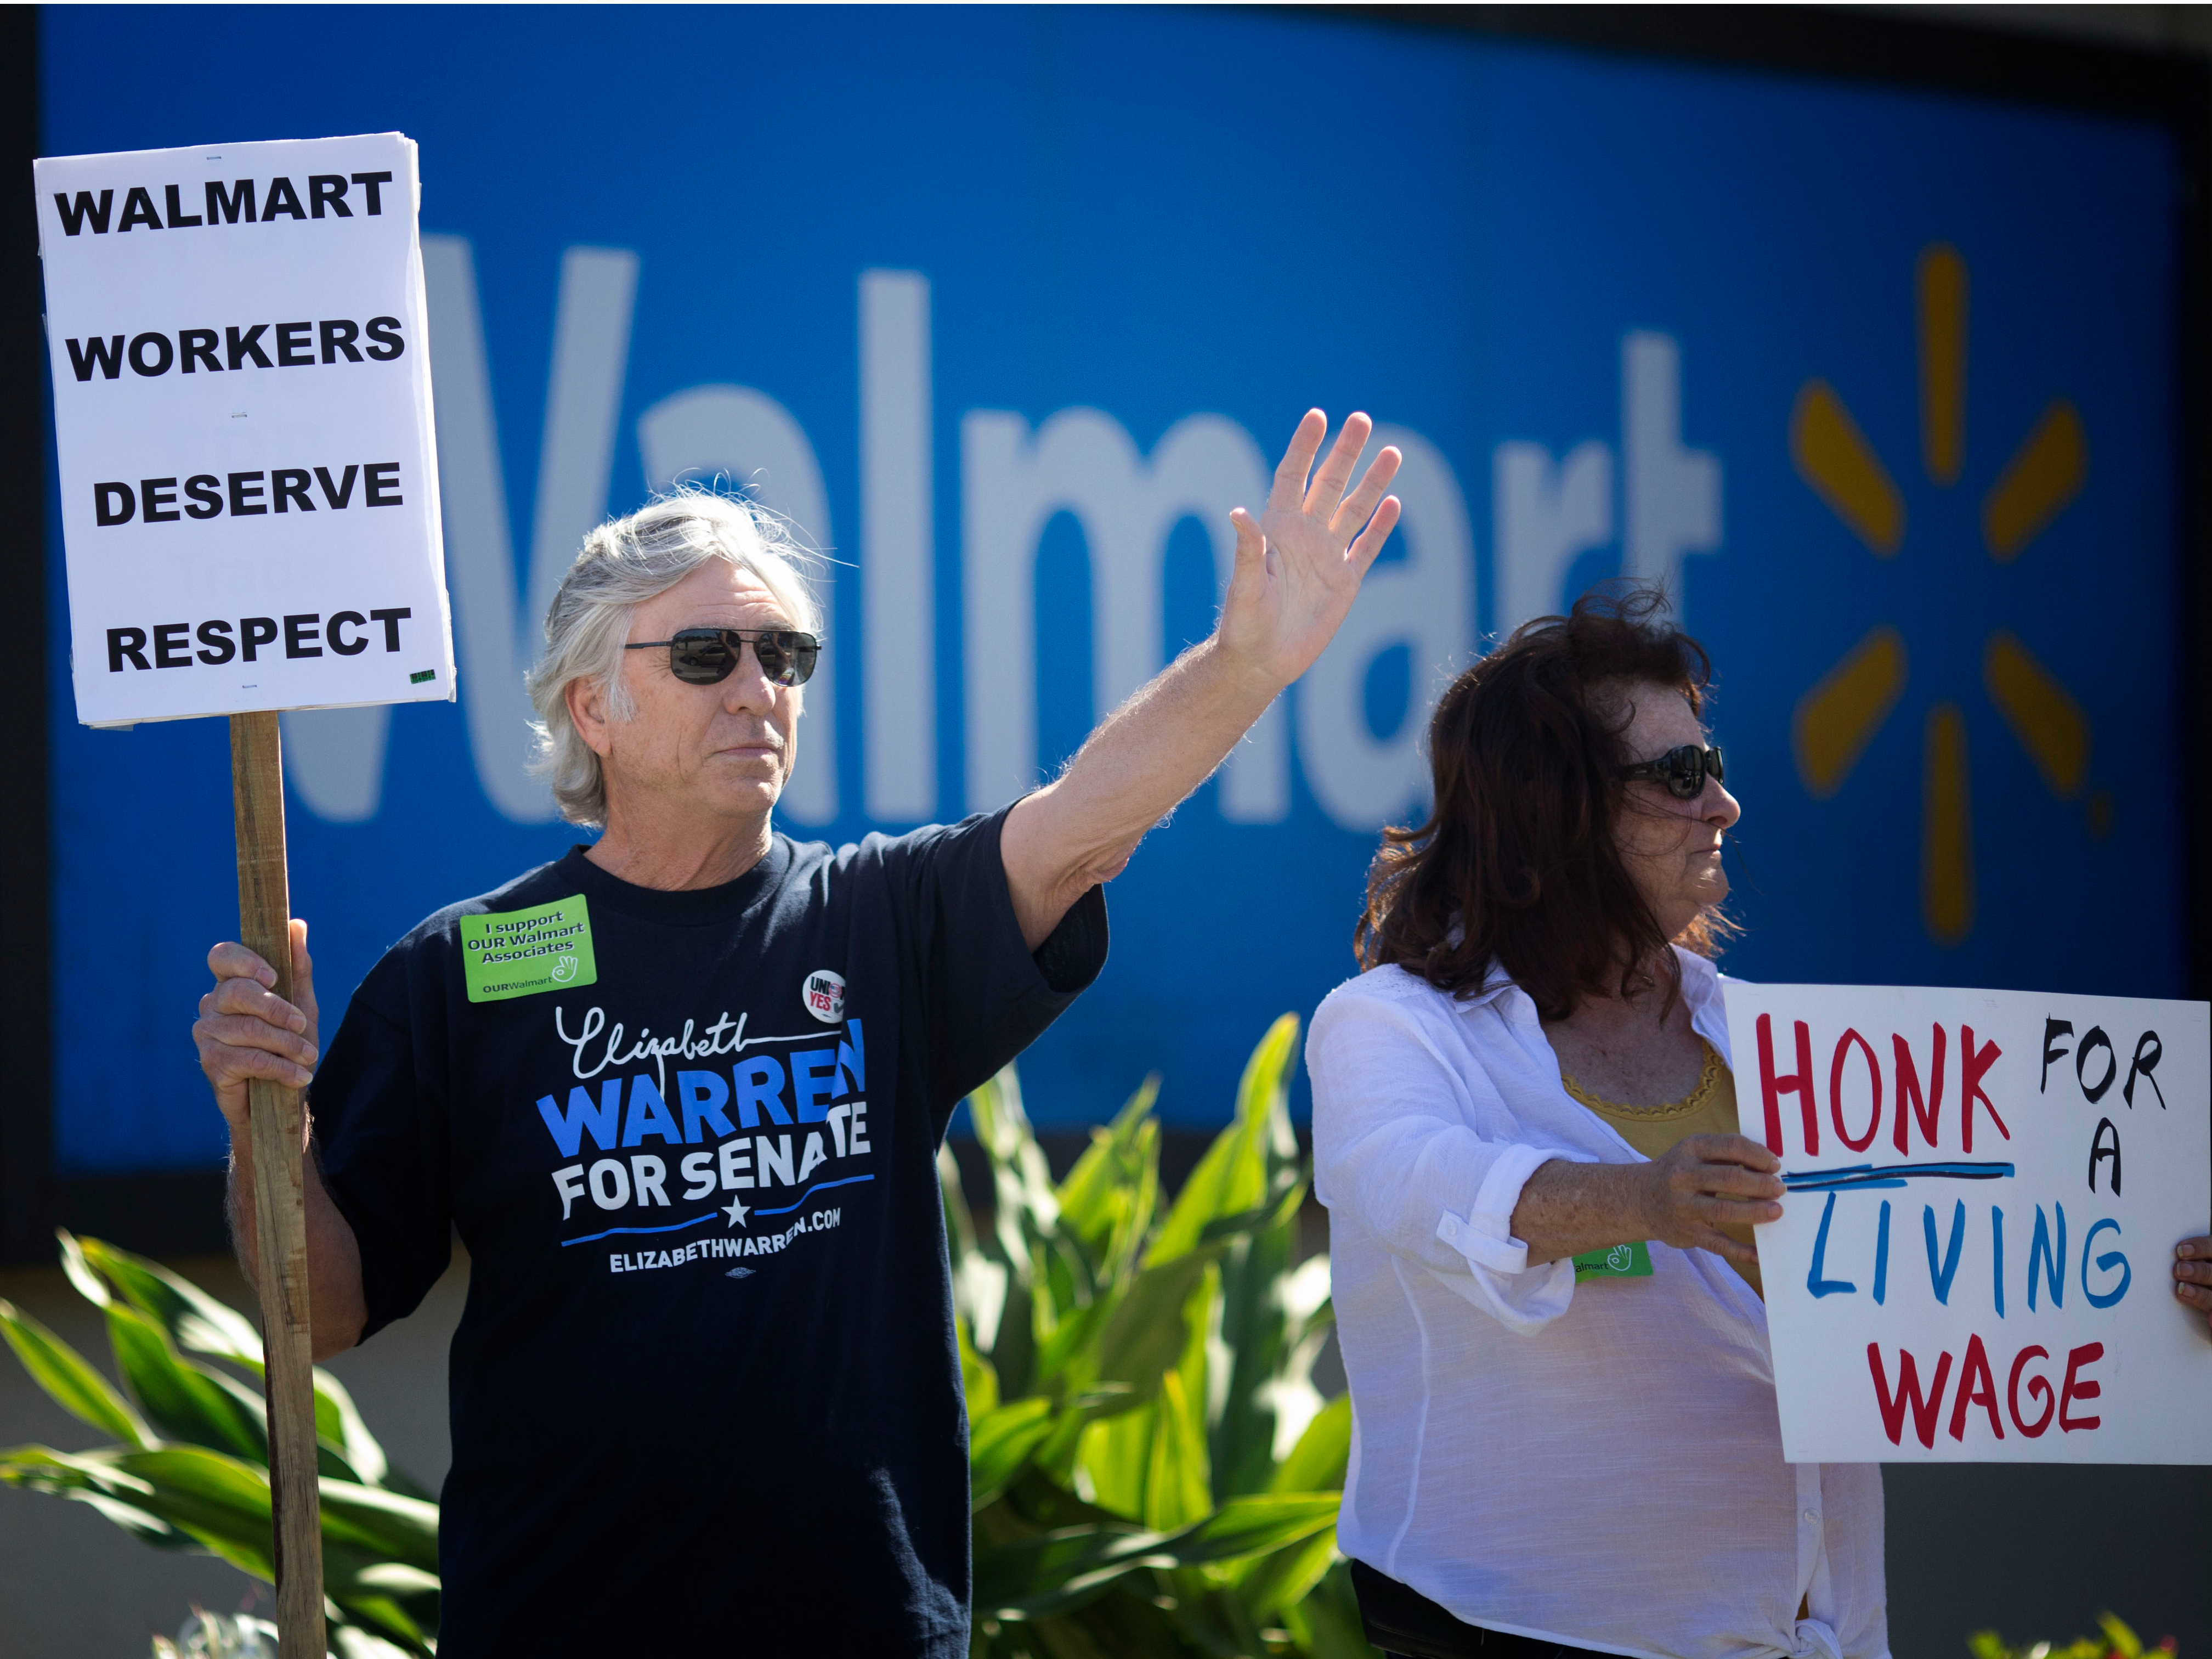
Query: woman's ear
point(588, 708)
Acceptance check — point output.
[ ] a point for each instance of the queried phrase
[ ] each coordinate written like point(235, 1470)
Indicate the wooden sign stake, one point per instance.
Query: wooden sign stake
point(264, 913)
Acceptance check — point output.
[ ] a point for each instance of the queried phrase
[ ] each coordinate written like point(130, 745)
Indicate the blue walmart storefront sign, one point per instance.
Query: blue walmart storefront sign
point(1007, 309)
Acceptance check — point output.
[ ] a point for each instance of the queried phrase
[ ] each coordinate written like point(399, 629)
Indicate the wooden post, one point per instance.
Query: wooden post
point(264, 915)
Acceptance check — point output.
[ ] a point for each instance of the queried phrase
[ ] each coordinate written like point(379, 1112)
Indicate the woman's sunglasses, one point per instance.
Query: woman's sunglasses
point(1683, 771)
point(708, 656)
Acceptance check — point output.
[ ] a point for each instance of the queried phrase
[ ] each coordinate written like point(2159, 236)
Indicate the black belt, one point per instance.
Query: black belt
point(1402, 1621)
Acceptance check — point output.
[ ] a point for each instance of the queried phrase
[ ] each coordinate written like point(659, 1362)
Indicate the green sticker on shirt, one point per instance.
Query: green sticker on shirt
point(522, 953)
point(1621, 1261)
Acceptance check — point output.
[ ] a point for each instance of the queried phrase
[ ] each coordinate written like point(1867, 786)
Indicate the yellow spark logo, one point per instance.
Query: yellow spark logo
point(1843, 710)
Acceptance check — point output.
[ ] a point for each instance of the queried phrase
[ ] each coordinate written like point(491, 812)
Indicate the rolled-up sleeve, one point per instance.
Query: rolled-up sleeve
point(1393, 1152)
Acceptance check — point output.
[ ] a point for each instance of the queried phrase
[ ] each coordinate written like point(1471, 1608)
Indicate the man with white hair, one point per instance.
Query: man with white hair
point(680, 1092)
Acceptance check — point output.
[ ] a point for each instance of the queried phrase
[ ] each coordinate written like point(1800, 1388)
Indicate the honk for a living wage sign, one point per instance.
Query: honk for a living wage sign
point(1974, 1263)
point(242, 405)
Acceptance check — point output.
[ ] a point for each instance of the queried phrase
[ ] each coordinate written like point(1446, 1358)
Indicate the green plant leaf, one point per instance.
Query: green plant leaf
point(1177, 1491)
point(396, 1604)
point(398, 1528)
point(42, 1470)
point(1254, 1332)
point(42, 1467)
point(959, 1224)
point(348, 1643)
point(222, 1502)
point(387, 1619)
point(1000, 1443)
point(1116, 1453)
point(1317, 1463)
point(80, 1272)
point(1133, 1229)
point(1145, 1331)
point(1208, 1618)
point(1283, 1405)
point(196, 1322)
point(395, 1578)
point(1054, 1573)
point(979, 1383)
point(1270, 1582)
point(1094, 1198)
point(70, 1380)
point(1013, 1353)
point(146, 1527)
point(338, 1422)
point(218, 1502)
point(1326, 1624)
point(1040, 1576)
point(1241, 1224)
point(1025, 1214)
point(1179, 1486)
point(1229, 1184)
point(194, 1319)
point(1025, 1209)
point(185, 1402)
point(2124, 1641)
point(1123, 1622)
point(1266, 1520)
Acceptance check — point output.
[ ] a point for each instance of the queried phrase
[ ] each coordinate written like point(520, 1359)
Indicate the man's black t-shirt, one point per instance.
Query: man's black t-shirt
point(706, 1397)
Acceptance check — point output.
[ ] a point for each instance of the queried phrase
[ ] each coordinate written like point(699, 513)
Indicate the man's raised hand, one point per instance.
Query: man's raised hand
point(1298, 567)
point(1299, 564)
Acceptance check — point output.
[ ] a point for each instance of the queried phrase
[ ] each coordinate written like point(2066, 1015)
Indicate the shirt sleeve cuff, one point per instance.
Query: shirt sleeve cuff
point(1485, 1238)
point(1074, 952)
point(1499, 1278)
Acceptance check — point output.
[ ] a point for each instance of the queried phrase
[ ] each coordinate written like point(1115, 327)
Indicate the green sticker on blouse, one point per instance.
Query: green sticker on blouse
point(1621, 1261)
point(521, 952)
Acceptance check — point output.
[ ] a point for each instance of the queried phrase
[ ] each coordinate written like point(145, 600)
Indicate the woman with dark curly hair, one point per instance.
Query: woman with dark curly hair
point(1525, 1130)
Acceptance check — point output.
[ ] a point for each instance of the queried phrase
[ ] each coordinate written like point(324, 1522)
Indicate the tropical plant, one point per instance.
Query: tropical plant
point(190, 1467)
point(1152, 1471)
point(2118, 1641)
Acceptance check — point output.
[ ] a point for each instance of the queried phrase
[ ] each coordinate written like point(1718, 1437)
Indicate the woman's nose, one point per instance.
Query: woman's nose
point(1720, 806)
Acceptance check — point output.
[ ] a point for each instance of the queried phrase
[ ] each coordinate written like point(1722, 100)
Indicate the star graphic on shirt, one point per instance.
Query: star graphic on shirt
point(735, 1209)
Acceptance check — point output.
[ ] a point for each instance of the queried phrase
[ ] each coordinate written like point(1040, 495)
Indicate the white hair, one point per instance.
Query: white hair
point(624, 563)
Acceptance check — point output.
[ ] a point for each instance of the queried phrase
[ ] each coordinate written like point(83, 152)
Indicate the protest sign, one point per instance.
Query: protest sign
point(1974, 1260)
point(241, 389)
point(250, 515)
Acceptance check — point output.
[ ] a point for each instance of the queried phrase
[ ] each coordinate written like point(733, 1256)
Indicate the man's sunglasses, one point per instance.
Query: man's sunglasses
point(708, 656)
point(1683, 771)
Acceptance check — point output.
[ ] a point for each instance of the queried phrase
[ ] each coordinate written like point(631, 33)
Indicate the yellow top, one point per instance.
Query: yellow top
point(1707, 1109)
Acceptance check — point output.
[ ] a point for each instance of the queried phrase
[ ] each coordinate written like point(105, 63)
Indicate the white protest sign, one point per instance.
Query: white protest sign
point(1974, 1263)
point(242, 405)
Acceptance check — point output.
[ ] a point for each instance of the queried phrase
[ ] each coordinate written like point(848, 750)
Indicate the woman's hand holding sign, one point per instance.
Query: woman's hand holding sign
point(1708, 1182)
point(1684, 1198)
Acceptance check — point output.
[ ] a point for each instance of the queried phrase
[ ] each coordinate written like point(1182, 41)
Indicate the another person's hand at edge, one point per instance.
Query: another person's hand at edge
point(2192, 1274)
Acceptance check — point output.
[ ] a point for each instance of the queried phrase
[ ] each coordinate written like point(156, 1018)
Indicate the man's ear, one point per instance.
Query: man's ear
point(588, 708)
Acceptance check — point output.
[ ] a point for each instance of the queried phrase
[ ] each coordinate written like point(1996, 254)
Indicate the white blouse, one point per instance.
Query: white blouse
point(1599, 1465)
